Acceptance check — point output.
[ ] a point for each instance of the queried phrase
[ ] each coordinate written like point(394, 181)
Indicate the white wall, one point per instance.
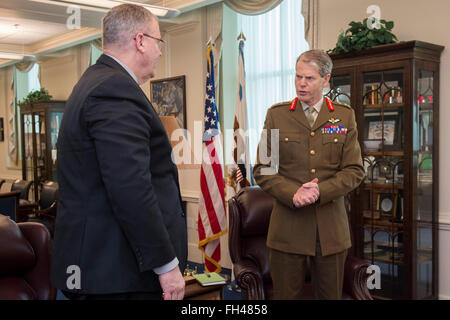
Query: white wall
point(414, 20)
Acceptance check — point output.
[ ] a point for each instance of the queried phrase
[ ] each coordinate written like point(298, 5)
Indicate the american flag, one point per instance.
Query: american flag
point(212, 221)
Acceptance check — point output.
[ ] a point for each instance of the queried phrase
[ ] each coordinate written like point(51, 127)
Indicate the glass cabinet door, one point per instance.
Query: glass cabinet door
point(423, 167)
point(382, 106)
point(339, 89)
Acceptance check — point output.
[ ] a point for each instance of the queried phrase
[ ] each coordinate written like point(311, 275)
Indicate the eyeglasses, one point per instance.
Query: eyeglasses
point(160, 41)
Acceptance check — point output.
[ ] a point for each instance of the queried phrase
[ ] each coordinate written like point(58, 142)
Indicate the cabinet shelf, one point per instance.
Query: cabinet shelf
point(383, 105)
point(384, 153)
point(385, 186)
point(382, 225)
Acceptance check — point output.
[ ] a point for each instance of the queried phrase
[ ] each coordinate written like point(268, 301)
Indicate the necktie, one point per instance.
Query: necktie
point(310, 116)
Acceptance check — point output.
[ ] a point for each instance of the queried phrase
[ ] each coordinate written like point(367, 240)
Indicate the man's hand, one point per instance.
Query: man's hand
point(172, 284)
point(307, 194)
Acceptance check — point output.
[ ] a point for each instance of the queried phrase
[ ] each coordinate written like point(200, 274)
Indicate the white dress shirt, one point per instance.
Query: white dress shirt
point(316, 107)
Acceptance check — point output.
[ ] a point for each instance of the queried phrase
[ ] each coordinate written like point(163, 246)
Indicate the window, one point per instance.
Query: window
point(273, 42)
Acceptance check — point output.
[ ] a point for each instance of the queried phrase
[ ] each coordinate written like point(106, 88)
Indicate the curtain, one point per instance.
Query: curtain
point(310, 12)
point(252, 7)
point(24, 82)
point(11, 125)
point(25, 66)
point(270, 72)
point(98, 44)
point(95, 53)
point(214, 33)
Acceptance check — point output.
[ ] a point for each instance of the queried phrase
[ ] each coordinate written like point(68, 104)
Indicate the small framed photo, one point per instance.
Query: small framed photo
point(387, 129)
point(168, 97)
point(387, 204)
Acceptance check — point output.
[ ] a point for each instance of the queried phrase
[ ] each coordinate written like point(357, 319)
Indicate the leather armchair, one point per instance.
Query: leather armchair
point(9, 204)
point(23, 186)
point(45, 211)
point(249, 213)
point(25, 255)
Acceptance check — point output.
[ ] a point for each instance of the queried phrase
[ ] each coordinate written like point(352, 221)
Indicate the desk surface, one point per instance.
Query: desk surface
point(194, 291)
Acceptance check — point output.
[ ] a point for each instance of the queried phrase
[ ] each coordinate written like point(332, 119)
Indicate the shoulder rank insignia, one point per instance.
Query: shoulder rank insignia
point(293, 104)
point(329, 104)
point(333, 120)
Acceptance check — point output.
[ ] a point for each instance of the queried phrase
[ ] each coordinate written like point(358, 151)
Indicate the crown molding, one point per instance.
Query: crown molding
point(187, 5)
point(66, 40)
point(57, 43)
point(182, 28)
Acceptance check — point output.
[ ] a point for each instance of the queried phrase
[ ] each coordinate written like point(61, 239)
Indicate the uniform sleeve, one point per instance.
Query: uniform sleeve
point(352, 170)
point(266, 174)
point(121, 131)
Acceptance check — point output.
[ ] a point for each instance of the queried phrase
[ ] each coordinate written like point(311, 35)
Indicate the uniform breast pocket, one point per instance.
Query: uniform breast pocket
point(333, 145)
point(292, 146)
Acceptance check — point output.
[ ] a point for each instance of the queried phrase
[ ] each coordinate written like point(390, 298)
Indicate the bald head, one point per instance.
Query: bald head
point(122, 22)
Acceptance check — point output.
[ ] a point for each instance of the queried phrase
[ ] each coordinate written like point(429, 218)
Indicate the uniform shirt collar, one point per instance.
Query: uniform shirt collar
point(125, 67)
point(317, 106)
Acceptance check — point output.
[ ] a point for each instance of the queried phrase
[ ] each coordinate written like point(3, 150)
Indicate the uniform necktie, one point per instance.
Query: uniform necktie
point(310, 116)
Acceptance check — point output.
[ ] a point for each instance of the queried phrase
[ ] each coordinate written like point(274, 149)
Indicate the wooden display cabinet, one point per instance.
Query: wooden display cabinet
point(39, 123)
point(394, 90)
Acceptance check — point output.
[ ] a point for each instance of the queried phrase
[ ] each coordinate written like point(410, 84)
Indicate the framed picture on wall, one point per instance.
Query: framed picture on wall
point(168, 97)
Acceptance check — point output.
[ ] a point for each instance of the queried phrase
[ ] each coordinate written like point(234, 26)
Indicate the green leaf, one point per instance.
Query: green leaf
point(380, 37)
point(389, 25)
point(388, 37)
point(358, 36)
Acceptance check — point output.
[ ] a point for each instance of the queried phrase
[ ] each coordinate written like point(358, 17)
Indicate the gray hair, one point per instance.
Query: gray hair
point(123, 22)
point(320, 59)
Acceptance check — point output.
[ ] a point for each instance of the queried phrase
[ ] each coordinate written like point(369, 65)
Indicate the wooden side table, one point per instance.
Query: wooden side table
point(194, 291)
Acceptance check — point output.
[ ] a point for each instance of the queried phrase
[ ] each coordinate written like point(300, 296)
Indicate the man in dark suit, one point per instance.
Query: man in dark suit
point(120, 230)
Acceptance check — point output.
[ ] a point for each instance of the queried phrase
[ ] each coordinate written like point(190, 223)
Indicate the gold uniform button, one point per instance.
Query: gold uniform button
point(312, 152)
point(312, 134)
point(335, 140)
point(313, 170)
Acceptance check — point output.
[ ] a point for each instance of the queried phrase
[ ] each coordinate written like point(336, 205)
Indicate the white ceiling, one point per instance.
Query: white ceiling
point(20, 31)
point(25, 24)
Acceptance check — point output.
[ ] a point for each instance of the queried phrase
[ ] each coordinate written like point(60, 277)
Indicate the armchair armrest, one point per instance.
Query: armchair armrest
point(355, 278)
point(249, 279)
point(39, 276)
point(44, 212)
point(26, 210)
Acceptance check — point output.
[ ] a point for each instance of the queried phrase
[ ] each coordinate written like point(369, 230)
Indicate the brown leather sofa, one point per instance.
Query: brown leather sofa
point(249, 213)
point(25, 257)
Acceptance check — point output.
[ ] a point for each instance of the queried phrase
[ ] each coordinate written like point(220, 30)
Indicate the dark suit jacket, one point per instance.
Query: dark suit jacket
point(119, 212)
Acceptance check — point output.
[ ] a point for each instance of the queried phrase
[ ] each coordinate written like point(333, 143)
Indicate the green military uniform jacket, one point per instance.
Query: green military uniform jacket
point(327, 151)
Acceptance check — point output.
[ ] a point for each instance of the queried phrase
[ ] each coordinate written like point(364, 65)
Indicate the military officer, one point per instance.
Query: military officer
point(319, 163)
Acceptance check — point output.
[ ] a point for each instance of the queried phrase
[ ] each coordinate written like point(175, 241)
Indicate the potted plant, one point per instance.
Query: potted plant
point(34, 96)
point(362, 35)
